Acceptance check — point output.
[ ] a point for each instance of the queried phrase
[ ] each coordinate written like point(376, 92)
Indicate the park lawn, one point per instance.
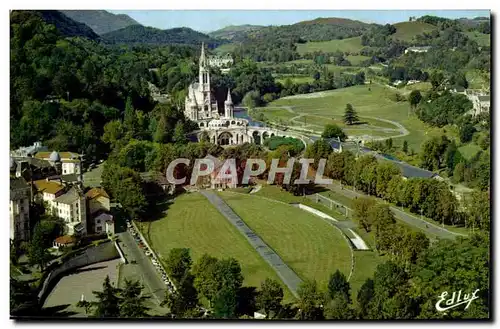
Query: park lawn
point(406, 31)
point(338, 197)
point(275, 114)
point(344, 69)
point(313, 248)
point(275, 193)
point(352, 45)
point(469, 150)
point(422, 86)
point(365, 264)
point(357, 59)
point(192, 222)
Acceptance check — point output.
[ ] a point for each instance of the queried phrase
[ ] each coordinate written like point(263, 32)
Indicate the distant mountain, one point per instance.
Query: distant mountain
point(67, 26)
point(234, 32)
point(138, 34)
point(101, 21)
point(319, 29)
point(474, 22)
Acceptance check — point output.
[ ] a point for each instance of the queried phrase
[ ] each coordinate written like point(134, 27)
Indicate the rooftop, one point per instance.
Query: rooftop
point(50, 187)
point(410, 171)
point(65, 239)
point(69, 197)
point(96, 192)
point(63, 155)
point(484, 98)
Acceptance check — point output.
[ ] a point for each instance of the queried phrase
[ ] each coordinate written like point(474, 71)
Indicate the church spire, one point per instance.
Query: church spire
point(202, 56)
point(229, 100)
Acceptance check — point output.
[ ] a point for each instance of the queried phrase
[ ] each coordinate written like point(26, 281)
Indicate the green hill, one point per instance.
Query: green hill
point(138, 34)
point(352, 45)
point(234, 32)
point(101, 21)
point(65, 25)
point(406, 31)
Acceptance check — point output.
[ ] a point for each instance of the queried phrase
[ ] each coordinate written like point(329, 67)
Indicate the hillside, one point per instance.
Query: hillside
point(67, 26)
point(100, 21)
point(138, 34)
point(234, 32)
point(352, 45)
point(406, 31)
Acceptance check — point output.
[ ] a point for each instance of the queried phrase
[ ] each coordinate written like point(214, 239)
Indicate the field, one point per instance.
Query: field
point(352, 45)
point(357, 59)
point(477, 79)
point(225, 48)
point(406, 31)
point(299, 79)
point(310, 246)
point(371, 102)
point(191, 222)
point(481, 38)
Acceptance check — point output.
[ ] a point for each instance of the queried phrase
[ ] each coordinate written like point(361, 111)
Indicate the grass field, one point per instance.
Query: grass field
point(406, 31)
point(225, 48)
point(368, 100)
point(310, 246)
point(481, 38)
point(352, 45)
point(477, 79)
point(192, 222)
point(357, 59)
point(469, 150)
point(294, 78)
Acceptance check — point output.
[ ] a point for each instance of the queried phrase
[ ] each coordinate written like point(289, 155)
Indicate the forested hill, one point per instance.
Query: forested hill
point(65, 25)
point(138, 34)
point(101, 21)
point(234, 32)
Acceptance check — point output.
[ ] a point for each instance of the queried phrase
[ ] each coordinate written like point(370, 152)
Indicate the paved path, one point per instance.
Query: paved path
point(143, 270)
point(286, 274)
point(430, 228)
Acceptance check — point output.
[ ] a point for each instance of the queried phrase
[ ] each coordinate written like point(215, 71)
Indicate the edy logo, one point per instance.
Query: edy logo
point(451, 303)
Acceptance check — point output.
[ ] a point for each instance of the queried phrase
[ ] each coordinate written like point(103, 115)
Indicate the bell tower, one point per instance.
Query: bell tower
point(204, 74)
point(228, 105)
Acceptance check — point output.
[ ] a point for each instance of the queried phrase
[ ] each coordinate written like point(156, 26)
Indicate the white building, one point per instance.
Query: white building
point(417, 49)
point(19, 209)
point(221, 61)
point(70, 162)
point(24, 152)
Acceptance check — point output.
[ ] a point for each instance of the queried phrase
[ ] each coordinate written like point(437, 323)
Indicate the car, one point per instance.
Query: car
point(148, 253)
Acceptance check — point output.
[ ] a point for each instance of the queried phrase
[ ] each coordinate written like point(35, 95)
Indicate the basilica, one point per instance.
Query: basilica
point(201, 107)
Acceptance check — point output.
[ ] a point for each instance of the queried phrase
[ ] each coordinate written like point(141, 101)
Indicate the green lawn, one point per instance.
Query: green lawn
point(192, 222)
point(225, 48)
point(368, 100)
point(365, 264)
point(357, 59)
point(352, 45)
point(477, 79)
point(300, 79)
point(406, 31)
point(481, 38)
point(313, 248)
point(469, 150)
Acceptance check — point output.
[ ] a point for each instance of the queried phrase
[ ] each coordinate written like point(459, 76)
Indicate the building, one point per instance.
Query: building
point(29, 151)
point(221, 61)
point(417, 49)
point(72, 208)
point(64, 201)
point(19, 209)
point(70, 162)
point(98, 200)
point(217, 182)
point(103, 223)
point(409, 171)
point(480, 104)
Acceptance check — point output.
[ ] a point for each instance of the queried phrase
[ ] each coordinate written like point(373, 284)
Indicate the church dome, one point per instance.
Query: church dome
point(55, 157)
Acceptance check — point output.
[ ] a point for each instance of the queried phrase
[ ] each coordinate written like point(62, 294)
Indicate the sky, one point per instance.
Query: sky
point(211, 20)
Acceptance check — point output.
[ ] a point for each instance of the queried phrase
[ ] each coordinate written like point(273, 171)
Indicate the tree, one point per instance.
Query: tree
point(183, 302)
point(37, 249)
point(309, 302)
point(362, 208)
point(364, 297)
point(132, 301)
point(251, 99)
point(437, 79)
point(270, 297)
point(458, 172)
point(478, 210)
point(161, 134)
point(178, 264)
point(350, 116)
point(225, 303)
point(107, 304)
point(338, 308)
point(405, 147)
point(338, 286)
point(466, 133)
point(333, 131)
point(179, 133)
point(205, 280)
point(415, 98)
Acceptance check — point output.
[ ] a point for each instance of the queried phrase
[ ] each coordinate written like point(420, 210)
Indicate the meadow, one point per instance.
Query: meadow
point(352, 45)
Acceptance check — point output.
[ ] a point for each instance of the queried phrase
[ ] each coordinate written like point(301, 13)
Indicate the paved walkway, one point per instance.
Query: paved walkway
point(286, 274)
point(412, 220)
